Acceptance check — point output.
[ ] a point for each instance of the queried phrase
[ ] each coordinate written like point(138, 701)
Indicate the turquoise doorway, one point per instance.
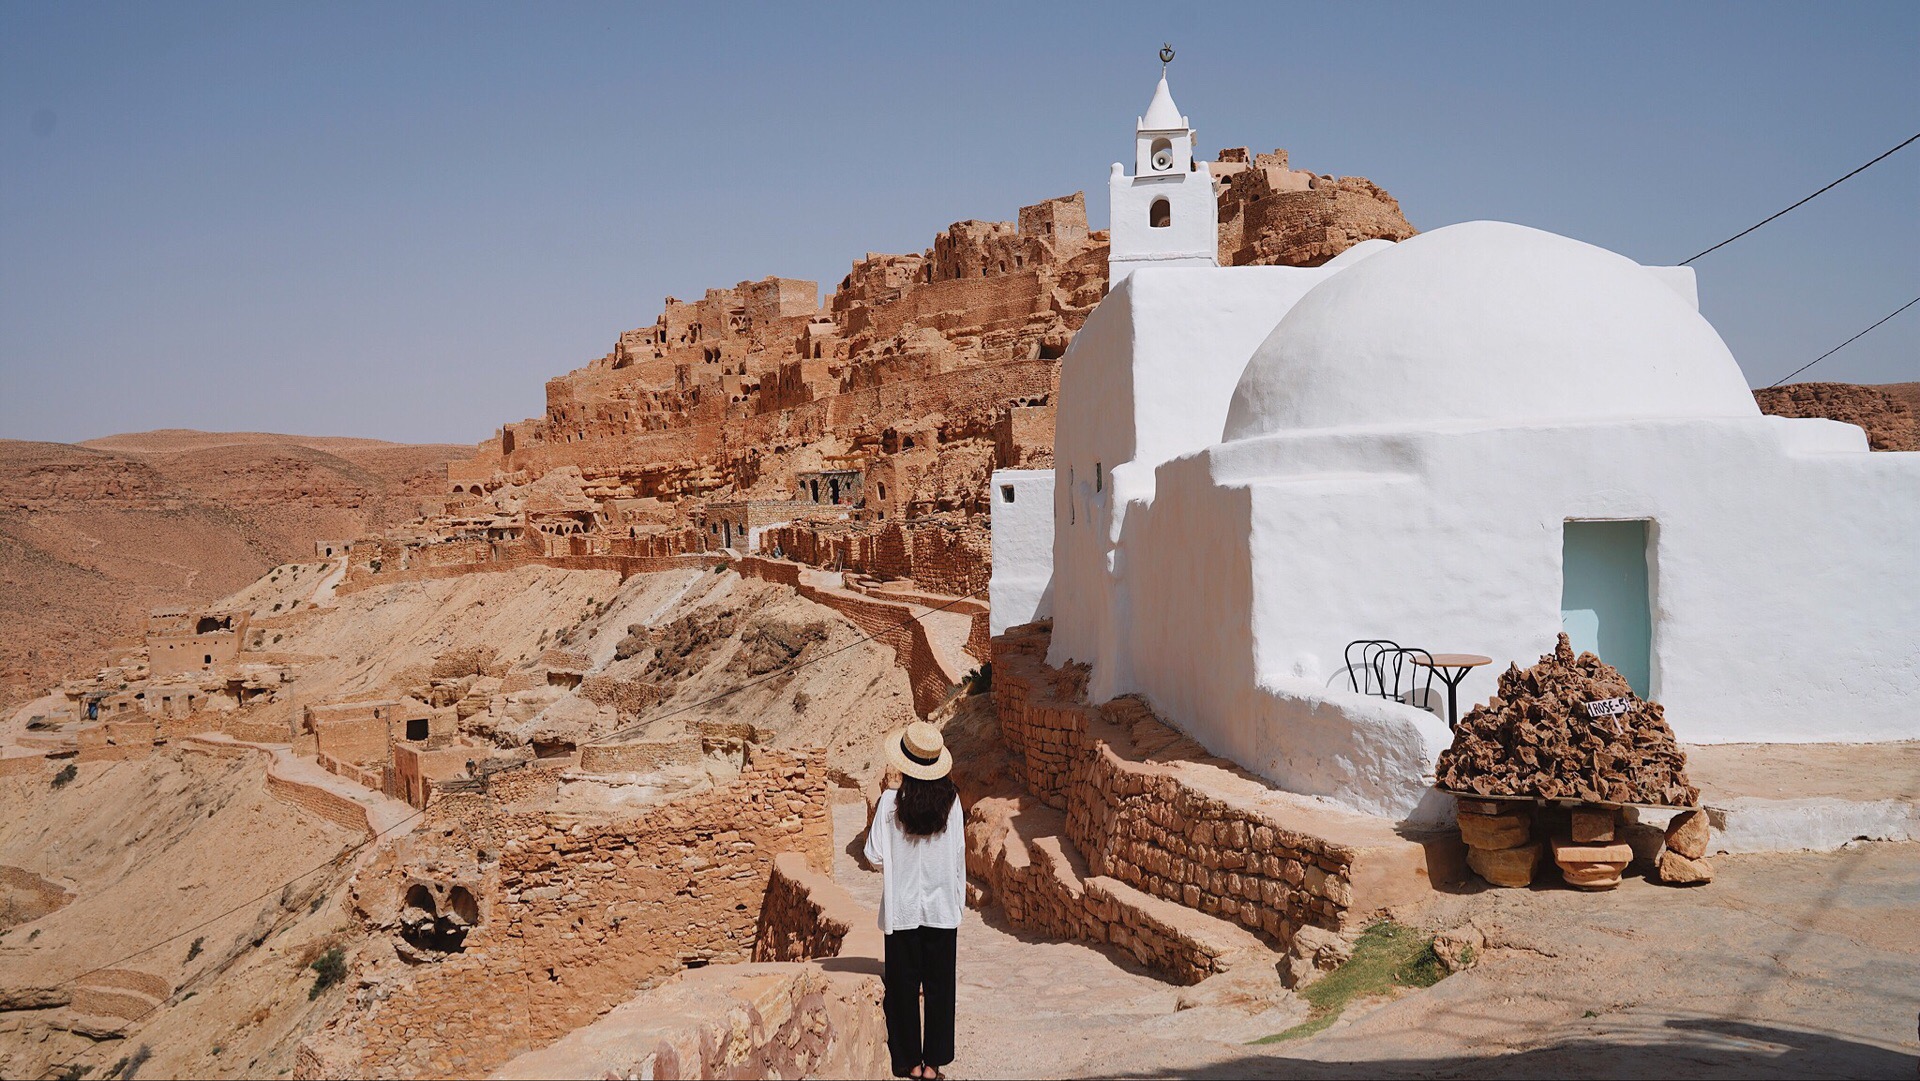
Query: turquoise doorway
point(1604, 596)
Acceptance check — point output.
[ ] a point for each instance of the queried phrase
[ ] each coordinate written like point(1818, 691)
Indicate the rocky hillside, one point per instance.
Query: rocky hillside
point(1890, 413)
point(94, 534)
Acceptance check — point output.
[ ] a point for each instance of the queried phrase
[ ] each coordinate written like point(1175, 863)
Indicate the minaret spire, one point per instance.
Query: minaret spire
point(1165, 214)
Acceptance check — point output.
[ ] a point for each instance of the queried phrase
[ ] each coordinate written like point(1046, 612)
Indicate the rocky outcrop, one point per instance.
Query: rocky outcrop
point(1274, 215)
point(1536, 738)
point(1886, 412)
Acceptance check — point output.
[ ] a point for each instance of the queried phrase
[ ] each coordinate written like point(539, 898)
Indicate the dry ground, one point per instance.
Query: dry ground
point(1788, 965)
point(178, 841)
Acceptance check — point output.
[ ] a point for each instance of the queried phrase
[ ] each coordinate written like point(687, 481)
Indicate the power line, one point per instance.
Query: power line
point(128, 1025)
point(1843, 345)
point(350, 849)
point(1808, 199)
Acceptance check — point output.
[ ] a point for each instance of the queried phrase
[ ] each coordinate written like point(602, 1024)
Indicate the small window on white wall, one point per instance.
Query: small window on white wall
point(1006, 493)
point(1160, 215)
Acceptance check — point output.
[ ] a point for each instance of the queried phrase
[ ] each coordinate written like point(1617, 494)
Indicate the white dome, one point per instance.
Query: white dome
point(1487, 322)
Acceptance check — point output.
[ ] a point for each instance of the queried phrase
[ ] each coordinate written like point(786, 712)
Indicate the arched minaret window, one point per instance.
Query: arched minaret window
point(1160, 215)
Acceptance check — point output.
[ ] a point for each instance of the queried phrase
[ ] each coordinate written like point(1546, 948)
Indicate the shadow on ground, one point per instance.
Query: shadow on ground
point(1678, 1047)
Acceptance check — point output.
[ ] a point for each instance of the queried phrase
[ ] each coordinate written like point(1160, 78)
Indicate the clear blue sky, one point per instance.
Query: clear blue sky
point(399, 220)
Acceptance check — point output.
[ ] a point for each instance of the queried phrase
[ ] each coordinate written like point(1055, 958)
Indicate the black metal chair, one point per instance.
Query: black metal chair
point(1386, 669)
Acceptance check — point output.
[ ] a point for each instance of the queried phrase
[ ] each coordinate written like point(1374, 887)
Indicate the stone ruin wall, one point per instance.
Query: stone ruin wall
point(576, 914)
point(953, 558)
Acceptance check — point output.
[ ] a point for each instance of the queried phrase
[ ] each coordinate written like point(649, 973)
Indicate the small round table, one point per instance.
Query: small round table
point(1452, 668)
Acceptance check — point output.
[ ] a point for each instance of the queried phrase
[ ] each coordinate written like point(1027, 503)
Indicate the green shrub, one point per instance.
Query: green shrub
point(193, 950)
point(66, 775)
point(1387, 955)
point(331, 968)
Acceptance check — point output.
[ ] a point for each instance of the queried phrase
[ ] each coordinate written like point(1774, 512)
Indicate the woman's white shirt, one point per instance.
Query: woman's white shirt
point(924, 878)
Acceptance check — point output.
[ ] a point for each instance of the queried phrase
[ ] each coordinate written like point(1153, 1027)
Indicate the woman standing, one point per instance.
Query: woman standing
point(918, 840)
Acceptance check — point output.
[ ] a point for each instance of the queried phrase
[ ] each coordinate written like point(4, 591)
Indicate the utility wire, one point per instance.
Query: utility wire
point(1843, 345)
point(1808, 199)
point(332, 860)
point(350, 849)
point(57, 1068)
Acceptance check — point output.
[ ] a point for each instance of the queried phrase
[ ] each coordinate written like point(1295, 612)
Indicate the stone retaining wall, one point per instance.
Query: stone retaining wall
point(321, 803)
point(1150, 808)
point(806, 916)
point(360, 576)
point(124, 993)
point(25, 765)
point(1040, 883)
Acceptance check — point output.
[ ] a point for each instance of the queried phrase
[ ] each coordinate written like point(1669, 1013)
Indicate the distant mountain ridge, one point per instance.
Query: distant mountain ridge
point(94, 534)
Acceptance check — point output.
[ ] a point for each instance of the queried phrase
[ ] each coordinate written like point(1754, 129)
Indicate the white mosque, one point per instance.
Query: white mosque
point(1466, 442)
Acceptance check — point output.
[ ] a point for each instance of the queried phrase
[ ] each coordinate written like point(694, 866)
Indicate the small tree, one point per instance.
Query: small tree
point(66, 775)
point(331, 968)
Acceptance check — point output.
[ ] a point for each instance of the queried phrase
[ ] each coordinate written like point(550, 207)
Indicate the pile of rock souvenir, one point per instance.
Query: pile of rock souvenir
point(1535, 738)
point(1571, 729)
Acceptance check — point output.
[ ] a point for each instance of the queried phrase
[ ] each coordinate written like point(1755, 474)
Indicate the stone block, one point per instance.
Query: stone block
point(1593, 824)
point(1506, 866)
point(1592, 876)
point(1677, 870)
point(1566, 851)
point(1688, 834)
point(1647, 841)
point(1483, 806)
point(1509, 830)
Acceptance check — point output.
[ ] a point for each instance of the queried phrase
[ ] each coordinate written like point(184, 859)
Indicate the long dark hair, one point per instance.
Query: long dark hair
point(922, 806)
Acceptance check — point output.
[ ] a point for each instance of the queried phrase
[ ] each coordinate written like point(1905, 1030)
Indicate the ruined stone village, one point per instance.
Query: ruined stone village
point(1293, 586)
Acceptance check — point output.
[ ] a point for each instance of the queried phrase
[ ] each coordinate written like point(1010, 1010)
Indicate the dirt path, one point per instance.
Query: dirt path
point(1032, 1007)
point(1791, 965)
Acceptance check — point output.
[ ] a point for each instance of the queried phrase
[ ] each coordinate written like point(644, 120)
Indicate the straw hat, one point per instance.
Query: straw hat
point(921, 741)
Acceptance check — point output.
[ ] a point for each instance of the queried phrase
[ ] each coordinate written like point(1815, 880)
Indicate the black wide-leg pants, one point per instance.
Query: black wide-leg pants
point(920, 964)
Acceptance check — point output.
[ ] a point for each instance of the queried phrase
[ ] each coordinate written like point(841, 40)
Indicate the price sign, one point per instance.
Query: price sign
point(1609, 707)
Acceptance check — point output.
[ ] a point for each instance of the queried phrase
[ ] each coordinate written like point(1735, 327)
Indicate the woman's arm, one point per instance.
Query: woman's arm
point(875, 851)
point(957, 833)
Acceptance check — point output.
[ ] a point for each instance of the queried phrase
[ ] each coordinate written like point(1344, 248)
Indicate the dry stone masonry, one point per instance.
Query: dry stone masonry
point(1179, 857)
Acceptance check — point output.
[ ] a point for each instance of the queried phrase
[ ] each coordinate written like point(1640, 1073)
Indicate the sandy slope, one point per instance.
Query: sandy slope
point(150, 848)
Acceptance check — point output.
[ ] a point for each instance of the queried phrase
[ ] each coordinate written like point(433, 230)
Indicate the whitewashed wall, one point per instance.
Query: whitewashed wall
point(1020, 590)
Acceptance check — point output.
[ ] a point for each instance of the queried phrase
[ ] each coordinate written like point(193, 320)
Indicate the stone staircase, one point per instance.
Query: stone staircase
point(1117, 829)
point(1018, 850)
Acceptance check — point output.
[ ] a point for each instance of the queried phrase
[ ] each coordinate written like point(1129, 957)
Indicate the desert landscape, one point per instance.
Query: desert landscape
point(554, 755)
